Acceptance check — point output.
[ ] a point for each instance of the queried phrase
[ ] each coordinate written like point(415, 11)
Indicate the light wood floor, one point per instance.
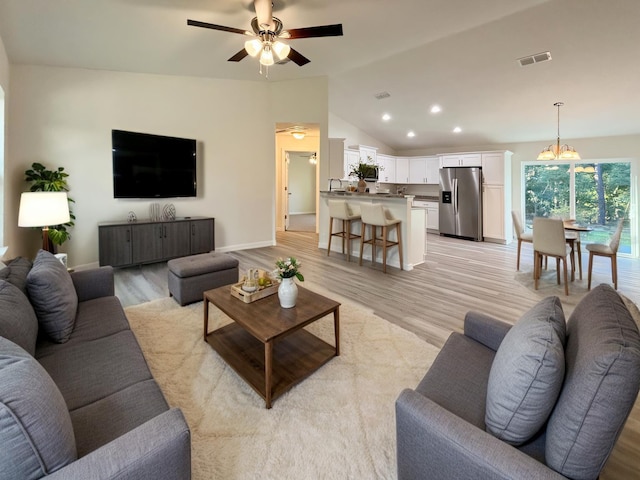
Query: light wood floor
point(432, 299)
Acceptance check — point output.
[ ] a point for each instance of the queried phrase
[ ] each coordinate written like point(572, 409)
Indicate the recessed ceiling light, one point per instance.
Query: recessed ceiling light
point(386, 117)
point(457, 130)
point(411, 134)
point(436, 109)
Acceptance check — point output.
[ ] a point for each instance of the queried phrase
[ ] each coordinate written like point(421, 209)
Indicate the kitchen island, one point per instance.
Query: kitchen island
point(413, 226)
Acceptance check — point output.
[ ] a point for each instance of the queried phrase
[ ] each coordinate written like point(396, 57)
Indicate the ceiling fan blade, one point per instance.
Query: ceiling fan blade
point(238, 56)
point(212, 26)
point(298, 58)
point(320, 31)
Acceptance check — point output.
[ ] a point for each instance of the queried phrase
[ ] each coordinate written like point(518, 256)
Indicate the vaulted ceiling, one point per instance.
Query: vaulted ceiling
point(459, 54)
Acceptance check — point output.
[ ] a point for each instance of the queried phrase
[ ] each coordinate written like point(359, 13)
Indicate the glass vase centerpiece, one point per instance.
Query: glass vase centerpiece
point(288, 269)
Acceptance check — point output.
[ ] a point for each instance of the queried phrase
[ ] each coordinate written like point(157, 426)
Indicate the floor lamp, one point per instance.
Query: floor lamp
point(42, 209)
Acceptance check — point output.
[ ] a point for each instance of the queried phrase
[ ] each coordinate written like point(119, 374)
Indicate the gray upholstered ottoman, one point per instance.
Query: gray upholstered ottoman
point(190, 276)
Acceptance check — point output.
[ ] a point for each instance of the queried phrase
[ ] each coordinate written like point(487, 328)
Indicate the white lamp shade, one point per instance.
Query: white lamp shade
point(253, 47)
point(282, 50)
point(43, 209)
point(266, 58)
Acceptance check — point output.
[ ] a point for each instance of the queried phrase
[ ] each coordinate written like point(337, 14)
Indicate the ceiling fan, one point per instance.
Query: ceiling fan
point(268, 31)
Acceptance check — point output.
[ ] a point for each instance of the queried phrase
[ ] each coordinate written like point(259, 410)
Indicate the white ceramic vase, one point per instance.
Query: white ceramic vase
point(288, 293)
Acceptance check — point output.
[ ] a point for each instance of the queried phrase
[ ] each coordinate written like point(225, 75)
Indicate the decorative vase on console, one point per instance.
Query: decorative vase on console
point(362, 186)
point(288, 290)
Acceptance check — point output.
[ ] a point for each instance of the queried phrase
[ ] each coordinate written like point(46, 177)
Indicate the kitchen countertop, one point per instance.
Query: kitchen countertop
point(368, 194)
point(428, 198)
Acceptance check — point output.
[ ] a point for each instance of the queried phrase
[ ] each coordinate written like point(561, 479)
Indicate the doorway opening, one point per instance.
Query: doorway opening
point(301, 191)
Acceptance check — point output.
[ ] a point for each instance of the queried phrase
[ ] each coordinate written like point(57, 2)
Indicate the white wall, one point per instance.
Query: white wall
point(64, 117)
point(340, 128)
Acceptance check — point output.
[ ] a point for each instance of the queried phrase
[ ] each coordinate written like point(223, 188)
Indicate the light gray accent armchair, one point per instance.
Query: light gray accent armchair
point(440, 426)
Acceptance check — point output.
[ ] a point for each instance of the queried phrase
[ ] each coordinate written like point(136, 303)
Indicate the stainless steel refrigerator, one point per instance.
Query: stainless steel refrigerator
point(461, 202)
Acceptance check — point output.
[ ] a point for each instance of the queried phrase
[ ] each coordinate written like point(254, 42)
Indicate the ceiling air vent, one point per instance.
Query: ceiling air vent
point(535, 58)
point(382, 95)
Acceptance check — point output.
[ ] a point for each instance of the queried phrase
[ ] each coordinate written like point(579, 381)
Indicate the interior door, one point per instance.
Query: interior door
point(285, 197)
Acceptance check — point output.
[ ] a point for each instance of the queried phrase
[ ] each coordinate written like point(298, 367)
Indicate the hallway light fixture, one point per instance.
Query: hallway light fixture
point(558, 152)
point(298, 135)
point(313, 159)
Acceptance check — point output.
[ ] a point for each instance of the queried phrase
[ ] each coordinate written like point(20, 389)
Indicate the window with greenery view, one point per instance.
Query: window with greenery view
point(594, 194)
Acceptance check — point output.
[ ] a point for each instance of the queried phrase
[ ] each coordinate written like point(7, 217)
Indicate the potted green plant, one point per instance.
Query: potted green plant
point(363, 170)
point(44, 180)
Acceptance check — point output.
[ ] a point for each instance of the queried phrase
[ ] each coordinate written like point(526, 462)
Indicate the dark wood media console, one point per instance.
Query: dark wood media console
point(122, 244)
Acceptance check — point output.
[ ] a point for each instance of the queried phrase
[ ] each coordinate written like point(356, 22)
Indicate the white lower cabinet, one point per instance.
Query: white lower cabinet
point(493, 212)
point(433, 217)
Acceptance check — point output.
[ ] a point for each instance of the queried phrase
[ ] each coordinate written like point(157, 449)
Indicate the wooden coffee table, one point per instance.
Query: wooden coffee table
point(266, 344)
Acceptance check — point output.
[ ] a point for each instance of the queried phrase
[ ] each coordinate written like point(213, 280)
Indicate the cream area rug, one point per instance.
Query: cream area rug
point(338, 423)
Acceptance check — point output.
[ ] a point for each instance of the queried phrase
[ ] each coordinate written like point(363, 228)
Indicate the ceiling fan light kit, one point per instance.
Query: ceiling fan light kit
point(557, 151)
point(268, 30)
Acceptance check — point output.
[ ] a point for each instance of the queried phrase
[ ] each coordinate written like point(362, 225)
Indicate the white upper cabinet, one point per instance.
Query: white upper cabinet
point(366, 154)
point(417, 170)
point(424, 170)
point(461, 160)
point(402, 170)
point(493, 167)
point(433, 170)
point(351, 158)
point(387, 164)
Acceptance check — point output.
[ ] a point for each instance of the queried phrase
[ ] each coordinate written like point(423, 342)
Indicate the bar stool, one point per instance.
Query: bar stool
point(340, 210)
point(375, 216)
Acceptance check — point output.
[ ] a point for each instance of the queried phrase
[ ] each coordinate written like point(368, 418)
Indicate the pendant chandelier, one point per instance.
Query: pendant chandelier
point(557, 151)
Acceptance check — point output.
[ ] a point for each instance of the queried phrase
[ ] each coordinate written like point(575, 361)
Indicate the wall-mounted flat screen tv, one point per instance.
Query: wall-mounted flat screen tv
point(152, 166)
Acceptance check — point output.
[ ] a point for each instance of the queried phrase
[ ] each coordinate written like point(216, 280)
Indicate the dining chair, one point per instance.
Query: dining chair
point(549, 241)
point(607, 250)
point(523, 236)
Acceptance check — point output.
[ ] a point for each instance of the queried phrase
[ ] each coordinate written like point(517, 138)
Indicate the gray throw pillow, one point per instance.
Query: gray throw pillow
point(16, 273)
point(36, 435)
point(527, 374)
point(53, 296)
point(18, 321)
point(601, 385)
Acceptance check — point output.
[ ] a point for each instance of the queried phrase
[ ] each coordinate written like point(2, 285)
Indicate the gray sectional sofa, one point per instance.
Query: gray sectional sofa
point(77, 399)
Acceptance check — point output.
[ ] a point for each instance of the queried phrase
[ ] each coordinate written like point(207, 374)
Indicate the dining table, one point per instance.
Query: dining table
point(573, 231)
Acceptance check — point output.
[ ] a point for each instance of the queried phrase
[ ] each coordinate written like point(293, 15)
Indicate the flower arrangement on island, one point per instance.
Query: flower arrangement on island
point(364, 170)
point(289, 268)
